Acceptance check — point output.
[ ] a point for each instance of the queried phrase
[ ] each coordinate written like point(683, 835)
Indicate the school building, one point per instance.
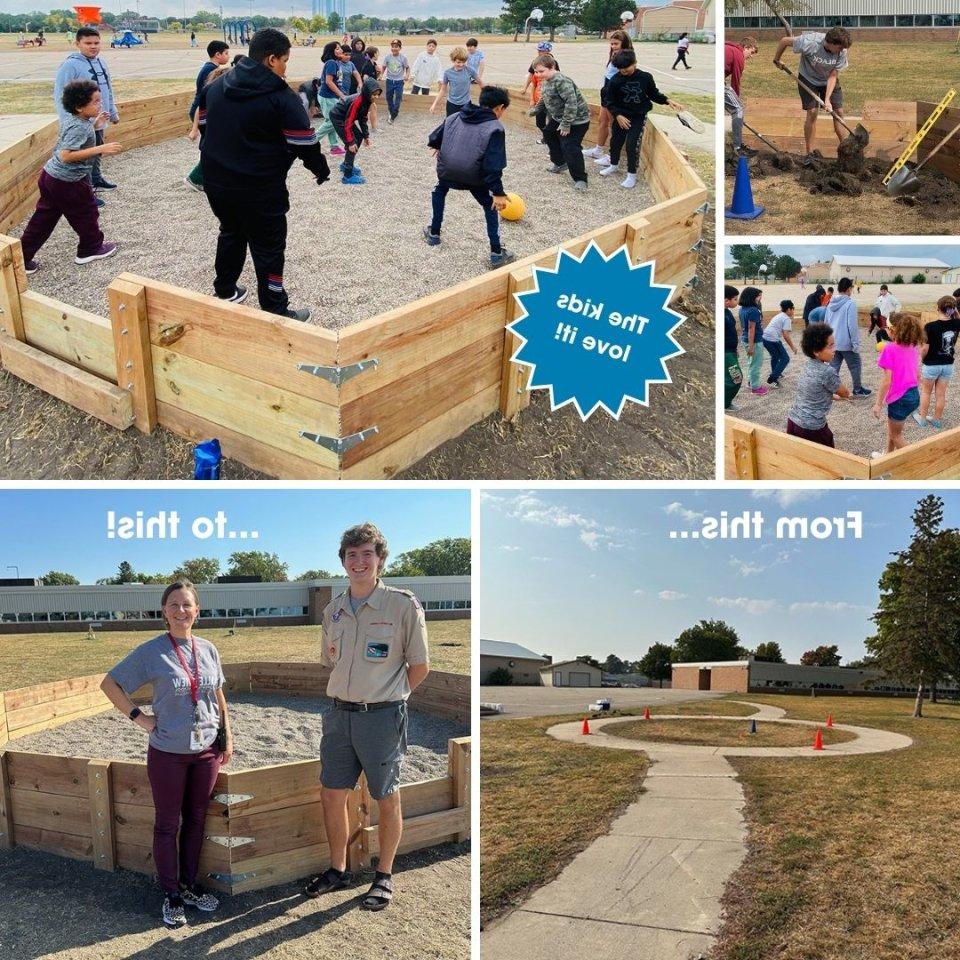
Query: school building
point(909, 20)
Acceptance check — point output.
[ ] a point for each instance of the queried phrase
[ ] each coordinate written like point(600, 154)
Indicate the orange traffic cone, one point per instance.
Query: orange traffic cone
point(646, 713)
point(585, 729)
point(818, 740)
point(830, 720)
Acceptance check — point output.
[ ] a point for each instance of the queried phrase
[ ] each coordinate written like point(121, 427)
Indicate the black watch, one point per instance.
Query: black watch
point(135, 712)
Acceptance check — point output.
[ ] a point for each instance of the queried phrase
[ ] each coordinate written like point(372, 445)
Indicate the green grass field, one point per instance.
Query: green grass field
point(40, 657)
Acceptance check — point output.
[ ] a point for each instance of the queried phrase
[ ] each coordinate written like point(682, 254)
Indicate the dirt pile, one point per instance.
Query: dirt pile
point(850, 156)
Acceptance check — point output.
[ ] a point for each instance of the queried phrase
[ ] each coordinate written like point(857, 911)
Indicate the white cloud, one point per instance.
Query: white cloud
point(828, 606)
point(685, 513)
point(541, 559)
point(746, 568)
point(509, 548)
point(529, 508)
point(749, 605)
point(639, 592)
point(671, 595)
point(787, 498)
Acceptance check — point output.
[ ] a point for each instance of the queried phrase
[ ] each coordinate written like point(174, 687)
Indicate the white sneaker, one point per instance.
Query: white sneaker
point(630, 182)
point(609, 171)
point(603, 161)
point(593, 152)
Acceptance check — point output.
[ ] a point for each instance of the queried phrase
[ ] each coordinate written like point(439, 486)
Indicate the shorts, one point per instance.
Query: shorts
point(372, 741)
point(809, 103)
point(937, 371)
point(900, 409)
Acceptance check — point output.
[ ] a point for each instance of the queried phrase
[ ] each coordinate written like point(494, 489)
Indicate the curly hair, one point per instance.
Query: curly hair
point(361, 534)
point(77, 94)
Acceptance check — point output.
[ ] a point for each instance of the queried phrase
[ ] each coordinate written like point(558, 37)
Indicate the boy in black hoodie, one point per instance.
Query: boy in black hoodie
point(471, 155)
point(631, 94)
point(349, 119)
point(254, 127)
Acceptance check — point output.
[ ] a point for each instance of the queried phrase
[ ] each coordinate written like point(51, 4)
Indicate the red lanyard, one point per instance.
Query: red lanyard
point(194, 677)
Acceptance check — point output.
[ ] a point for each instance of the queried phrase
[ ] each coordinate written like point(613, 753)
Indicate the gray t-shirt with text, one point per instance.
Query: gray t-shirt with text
point(815, 389)
point(156, 662)
point(76, 133)
point(816, 62)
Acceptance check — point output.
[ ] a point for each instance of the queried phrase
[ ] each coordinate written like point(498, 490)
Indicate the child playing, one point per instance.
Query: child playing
point(630, 97)
point(218, 52)
point(533, 85)
point(818, 387)
point(941, 336)
point(777, 333)
point(349, 118)
point(899, 361)
point(338, 72)
point(194, 179)
point(568, 119)
point(371, 69)
point(619, 40)
point(475, 58)
point(732, 374)
point(426, 70)
point(396, 69)
point(455, 83)
point(751, 319)
point(65, 189)
point(471, 155)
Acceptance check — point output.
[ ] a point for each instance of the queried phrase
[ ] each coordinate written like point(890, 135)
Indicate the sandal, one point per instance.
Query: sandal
point(379, 895)
point(327, 882)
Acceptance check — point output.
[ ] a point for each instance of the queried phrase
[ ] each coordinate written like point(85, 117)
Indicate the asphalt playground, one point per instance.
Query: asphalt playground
point(557, 701)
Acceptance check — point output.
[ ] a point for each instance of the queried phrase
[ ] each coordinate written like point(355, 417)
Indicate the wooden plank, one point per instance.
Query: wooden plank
point(745, 453)
point(139, 858)
point(6, 808)
point(429, 830)
point(54, 841)
point(69, 333)
point(64, 707)
point(3, 724)
point(133, 824)
point(44, 773)
point(933, 458)
point(514, 378)
point(51, 690)
point(389, 461)
point(237, 676)
point(274, 831)
point(264, 413)
point(11, 315)
point(256, 455)
point(459, 760)
point(283, 867)
point(101, 814)
point(427, 796)
point(131, 344)
point(276, 787)
point(51, 811)
point(52, 722)
point(86, 391)
point(130, 784)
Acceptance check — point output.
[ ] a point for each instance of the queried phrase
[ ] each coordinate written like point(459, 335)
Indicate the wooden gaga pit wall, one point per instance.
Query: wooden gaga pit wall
point(264, 826)
point(296, 401)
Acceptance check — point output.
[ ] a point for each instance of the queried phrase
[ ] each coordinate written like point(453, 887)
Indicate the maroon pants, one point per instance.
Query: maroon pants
point(824, 435)
point(182, 784)
point(72, 199)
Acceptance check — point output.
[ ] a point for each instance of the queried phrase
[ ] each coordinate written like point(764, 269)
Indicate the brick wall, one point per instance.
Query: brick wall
point(686, 678)
point(730, 679)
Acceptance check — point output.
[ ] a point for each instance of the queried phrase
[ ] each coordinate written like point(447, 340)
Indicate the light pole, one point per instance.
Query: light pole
point(13, 566)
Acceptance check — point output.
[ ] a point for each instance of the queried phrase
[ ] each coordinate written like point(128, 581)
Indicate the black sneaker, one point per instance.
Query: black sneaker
point(503, 257)
point(173, 913)
point(104, 185)
point(807, 161)
point(746, 152)
point(862, 392)
point(195, 896)
point(433, 239)
point(239, 295)
point(303, 315)
point(30, 266)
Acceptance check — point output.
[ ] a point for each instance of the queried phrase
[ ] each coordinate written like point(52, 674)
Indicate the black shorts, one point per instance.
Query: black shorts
point(808, 103)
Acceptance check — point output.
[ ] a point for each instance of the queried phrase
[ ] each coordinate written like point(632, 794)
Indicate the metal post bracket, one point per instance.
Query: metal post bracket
point(338, 375)
point(231, 842)
point(339, 445)
point(231, 799)
point(231, 878)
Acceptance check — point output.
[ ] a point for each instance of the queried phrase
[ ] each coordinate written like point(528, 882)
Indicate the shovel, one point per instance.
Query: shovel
point(762, 138)
point(861, 133)
point(905, 180)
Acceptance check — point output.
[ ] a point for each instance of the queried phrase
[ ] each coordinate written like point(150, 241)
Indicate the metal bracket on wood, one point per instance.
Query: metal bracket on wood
point(704, 207)
point(231, 878)
point(339, 445)
point(229, 799)
point(696, 247)
point(231, 842)
point(694, 281)
point(338, 375)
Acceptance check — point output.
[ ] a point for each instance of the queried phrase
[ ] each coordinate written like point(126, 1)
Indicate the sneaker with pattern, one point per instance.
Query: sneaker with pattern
point(196, 896)
point(173, 913)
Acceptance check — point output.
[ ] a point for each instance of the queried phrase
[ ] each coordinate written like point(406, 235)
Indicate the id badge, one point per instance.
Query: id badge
point(196, 740)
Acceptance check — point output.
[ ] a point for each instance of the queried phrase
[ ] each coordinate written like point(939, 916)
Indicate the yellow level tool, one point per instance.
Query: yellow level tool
point(921, 133)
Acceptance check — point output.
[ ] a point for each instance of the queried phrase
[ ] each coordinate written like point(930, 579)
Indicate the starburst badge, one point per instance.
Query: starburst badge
point(596, 331)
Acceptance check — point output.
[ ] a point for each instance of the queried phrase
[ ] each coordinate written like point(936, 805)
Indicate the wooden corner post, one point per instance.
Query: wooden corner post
point(101, 814)
point(6, 812)
point(745, 453)
point(131, 343)
point(514, 395)
point(459, 761)
point(358, 818)
point(13, 282)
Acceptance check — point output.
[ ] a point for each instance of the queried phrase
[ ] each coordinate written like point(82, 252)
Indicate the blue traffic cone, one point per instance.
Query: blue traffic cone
point(742, 207)
point(753, 723)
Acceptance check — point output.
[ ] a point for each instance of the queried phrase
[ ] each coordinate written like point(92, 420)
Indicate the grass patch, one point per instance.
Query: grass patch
point(38, 97)
point(856, 857)
point(723, 733)
point(719, 708)
point(40, 657)
point(919, 69)
point(541, 803)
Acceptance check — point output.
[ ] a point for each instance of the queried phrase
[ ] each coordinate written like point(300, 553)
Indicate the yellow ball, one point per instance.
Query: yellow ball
point(880, 345)
point(515, 208)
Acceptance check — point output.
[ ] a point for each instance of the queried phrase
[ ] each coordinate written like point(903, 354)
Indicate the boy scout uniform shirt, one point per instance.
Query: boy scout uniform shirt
point(369, 652)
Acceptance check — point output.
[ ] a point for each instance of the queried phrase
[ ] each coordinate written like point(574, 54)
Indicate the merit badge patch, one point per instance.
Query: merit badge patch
point(336, 617)
point(377, 651)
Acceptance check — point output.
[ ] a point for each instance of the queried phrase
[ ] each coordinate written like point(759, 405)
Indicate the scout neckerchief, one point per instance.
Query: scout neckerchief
point(193, 678)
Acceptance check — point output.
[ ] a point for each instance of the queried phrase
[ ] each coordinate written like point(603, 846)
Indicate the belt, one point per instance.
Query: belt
point(365, 707)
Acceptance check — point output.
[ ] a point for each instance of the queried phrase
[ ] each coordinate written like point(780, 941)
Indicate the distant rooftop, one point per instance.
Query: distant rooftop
point(513, 651)
point(891, 261)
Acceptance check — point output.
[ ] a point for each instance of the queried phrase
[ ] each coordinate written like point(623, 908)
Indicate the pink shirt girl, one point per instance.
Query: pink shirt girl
point(903, 362)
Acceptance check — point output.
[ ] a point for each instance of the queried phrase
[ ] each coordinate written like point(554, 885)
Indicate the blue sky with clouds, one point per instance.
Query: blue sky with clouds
point(810, 253)
point(596, 572)
point(67, 529)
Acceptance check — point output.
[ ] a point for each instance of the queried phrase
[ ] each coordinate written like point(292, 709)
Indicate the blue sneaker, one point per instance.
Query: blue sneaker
point(100, 203)
point(355, 179)
point(343, 169)
point(433, 239)
point(501, 258)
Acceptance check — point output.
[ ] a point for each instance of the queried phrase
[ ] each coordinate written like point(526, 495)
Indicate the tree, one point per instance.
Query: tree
point(822, 656)
point(655, 663)
point(708, 640)
point(769, 652)
point(298, 23)
point(501, 677)
point(57, 579)
point(613, 664)
point(334, 22)
point(198, 570)
point(598, 16)
point(750, 258)
point(867, 663)
point(919, 278)
point(442, 558)
point(593, 661)
point(257, 563)
point(918, 613)
point(125, 573)
point(315, 575)
point(318, 23)
point(786, 267)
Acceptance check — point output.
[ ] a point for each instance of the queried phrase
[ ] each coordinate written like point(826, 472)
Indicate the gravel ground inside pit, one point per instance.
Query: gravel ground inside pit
point(855, 429)
point(352, 251)
point(266, 730)
point(109, 916)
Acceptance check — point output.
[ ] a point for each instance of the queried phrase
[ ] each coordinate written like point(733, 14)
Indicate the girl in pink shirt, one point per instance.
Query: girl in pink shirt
point(900, 363)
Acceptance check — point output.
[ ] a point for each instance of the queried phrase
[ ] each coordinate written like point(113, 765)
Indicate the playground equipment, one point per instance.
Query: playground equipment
point(237, 32)
point(127, 40)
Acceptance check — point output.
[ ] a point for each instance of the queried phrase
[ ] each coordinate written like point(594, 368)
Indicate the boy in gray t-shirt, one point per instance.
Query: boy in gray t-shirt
point(65, 189)
point(817, 386)
point(396, 70)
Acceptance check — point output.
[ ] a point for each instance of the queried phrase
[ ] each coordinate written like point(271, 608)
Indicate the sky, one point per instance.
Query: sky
point(596, 572)
point(812, 253)
point(67, 530)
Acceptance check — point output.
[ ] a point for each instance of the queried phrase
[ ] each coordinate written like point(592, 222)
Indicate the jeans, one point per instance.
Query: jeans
point(453, 108)
point(567, 151)
point(681, 58)
point(734, 106)
point(482, 195)
point(779, 359)
point(72, 199)
point(631, 137)
point(96, 177)
point(421, 90)
point(394, 97)
point(853, 362)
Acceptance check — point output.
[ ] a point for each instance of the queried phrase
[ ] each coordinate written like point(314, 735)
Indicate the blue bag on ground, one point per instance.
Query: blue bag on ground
point(206, 460)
